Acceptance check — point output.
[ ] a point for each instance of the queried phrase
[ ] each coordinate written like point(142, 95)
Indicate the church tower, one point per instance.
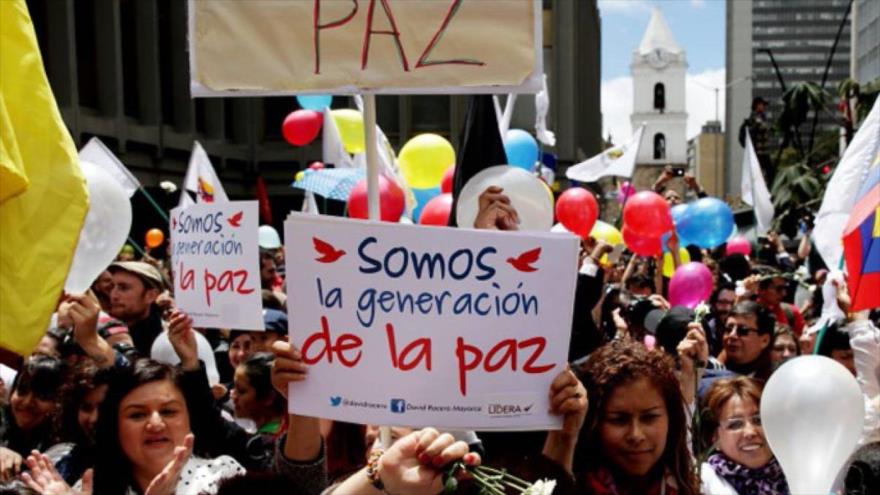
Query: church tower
point(658, 71)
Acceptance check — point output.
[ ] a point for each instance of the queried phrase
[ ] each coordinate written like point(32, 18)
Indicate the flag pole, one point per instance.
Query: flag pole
point(373, 196)
point(372, 156)
point(136, 247)
point(155, 205)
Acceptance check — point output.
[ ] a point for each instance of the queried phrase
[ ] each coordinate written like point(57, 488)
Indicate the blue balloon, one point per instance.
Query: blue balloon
point(521, 149)
point(422, 198)
point(707, 223)
point(677, 212)
point(314, 102)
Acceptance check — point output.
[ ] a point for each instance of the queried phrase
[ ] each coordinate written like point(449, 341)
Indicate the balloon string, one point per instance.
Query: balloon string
point(155, 205)
point(136, 247)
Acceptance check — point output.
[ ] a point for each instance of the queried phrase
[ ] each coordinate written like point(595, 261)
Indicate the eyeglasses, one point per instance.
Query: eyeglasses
point(738, 424)
point(741, 331)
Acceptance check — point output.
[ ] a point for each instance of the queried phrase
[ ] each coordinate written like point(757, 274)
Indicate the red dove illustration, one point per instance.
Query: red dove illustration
point(329, 254)
point(235, 220)
point(524, 261)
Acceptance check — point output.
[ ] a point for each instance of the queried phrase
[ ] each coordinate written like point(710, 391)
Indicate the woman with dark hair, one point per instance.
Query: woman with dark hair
point(77, 421)
point(253, 396)
point(634, 439)
point(743, 463)
point(785, 345)
point(144, 436)
point(26, 424)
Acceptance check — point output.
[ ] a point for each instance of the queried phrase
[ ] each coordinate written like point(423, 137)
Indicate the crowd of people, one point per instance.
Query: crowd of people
point(123, 395)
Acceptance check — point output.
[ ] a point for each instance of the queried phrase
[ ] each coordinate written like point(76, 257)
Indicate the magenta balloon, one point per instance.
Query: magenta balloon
point(626, 190)
point(738, 245)
point(690, 285)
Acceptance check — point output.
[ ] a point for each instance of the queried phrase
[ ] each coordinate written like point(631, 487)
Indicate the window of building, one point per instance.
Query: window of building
point(659, 146)
point(659, 97)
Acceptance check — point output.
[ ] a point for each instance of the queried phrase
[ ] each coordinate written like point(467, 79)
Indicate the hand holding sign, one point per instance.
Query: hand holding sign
point(288, 366)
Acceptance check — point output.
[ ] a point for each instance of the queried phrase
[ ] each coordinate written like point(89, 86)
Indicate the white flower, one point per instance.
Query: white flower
point(541, 487)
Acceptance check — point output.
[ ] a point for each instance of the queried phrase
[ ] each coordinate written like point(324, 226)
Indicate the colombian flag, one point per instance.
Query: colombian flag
point(861, 243)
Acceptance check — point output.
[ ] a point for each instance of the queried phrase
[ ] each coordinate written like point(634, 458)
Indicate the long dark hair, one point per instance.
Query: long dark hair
point(258, 369)
point(113, 471)
point(623, 362)
point(85, 377)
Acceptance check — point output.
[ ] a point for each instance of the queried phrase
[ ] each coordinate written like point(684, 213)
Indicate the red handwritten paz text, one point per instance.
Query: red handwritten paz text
point(319, 25)
point(225, 281)
point(505, 355)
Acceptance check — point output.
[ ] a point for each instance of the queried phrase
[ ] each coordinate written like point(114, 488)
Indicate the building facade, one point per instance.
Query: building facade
point(706, 158)
point(800, 35)
point(865, 43)
point(120, 71)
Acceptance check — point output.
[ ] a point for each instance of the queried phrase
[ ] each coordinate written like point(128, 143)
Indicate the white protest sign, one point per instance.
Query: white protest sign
point(418, 326)
point(261, 48)
point(216, 264)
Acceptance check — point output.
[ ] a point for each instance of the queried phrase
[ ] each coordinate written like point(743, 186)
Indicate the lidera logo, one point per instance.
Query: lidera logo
point(335, 400)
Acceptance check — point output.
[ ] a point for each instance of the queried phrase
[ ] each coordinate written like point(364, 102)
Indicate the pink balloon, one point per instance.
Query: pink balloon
point(446, 182)
point(625, 192)
point(738, 245)
point(690, 285)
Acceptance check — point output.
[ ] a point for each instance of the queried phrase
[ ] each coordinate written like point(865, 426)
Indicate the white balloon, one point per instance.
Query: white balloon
point(527, 194)
point(812, 411)
point(104, 230)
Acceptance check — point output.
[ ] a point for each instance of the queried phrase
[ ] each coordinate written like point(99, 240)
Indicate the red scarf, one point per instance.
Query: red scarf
point(601, 482)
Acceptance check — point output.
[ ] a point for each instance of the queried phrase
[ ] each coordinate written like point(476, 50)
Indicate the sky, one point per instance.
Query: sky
point(697, 26)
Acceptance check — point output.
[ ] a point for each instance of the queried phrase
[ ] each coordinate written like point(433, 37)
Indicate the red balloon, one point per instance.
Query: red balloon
point(446, 183)
point(641, 245)
point(647, 214)
point(302, 126)
point(577, 210)
point(436, 211)
point(391, 200)
point(316, 165)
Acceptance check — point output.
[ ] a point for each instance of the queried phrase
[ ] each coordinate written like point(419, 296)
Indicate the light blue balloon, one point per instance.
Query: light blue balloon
point(707, 223)
point(677, 212)
point(521, 149)
point(422, 198)
point(315, 102)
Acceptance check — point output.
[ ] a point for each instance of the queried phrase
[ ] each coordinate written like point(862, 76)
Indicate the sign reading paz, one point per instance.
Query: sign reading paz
point(215, 262)
point(425, 326)
point(381, 46)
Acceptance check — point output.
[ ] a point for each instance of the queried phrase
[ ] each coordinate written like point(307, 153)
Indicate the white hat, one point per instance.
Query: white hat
point(269, 238)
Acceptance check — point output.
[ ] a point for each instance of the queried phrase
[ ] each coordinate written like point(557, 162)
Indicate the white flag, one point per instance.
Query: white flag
point(617, 161)
point(95, 152)
point(754, 189)
point(843, 188)
point(202, 180)
point(542, 106)
point(334, 151)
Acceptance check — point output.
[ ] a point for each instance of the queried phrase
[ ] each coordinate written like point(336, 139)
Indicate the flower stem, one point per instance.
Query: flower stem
point(510, 477)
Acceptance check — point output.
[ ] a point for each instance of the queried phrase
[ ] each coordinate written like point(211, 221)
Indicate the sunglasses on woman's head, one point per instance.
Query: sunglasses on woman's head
point(740, 330)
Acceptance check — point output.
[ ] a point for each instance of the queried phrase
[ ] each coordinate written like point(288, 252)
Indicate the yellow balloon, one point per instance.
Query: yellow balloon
point(350, 124)
point(604, 231)
point(669, 264)
point(299, 175)
point(424, 159)
point(549, 193)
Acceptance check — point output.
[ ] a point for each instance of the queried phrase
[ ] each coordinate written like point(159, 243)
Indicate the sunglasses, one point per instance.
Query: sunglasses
point(741, 331)
point(739, 424)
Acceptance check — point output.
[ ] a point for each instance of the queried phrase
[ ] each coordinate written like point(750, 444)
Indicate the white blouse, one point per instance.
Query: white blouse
point(200, 476)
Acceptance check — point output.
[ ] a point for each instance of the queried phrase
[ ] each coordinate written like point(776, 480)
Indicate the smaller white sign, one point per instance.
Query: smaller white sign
point(216, 264)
